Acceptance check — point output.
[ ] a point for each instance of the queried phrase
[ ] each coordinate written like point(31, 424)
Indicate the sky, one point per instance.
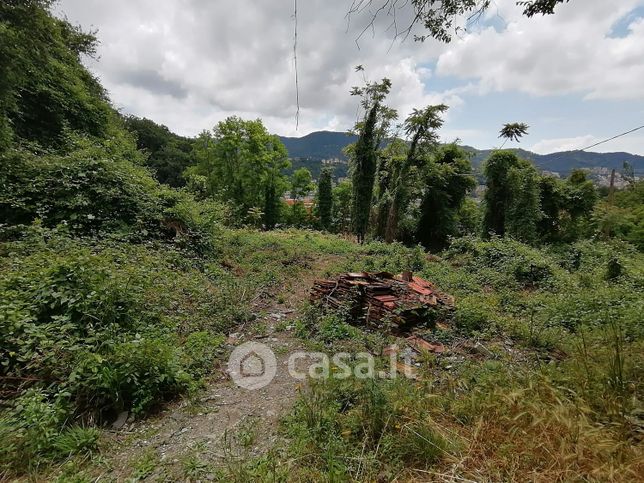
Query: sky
point(576, 77)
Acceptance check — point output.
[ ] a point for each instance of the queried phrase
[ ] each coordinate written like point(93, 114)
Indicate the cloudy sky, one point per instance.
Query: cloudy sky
point(576, 77)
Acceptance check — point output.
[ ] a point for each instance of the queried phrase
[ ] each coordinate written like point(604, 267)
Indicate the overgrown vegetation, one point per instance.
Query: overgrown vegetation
point(117, 292)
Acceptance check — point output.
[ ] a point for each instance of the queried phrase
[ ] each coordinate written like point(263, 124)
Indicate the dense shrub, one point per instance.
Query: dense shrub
point(97, 188)
point(90, 329)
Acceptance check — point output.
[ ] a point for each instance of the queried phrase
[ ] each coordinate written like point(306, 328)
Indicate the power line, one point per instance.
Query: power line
point(610, 139)
point(297, 85)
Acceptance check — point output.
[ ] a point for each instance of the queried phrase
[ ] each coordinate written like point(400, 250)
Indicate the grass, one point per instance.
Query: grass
point(555, 395)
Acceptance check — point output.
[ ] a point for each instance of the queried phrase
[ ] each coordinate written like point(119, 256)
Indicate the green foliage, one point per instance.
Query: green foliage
point(623, 217)
point(342, 206)
point(523, 210)
point(363, 173)
point(301, 183)
point(446, 186)
point(168, 154)
point(44, 88)
point(325, 199)
point(441, 20)
point(499, 191)
point(96, 188)
point(243, 165)
point(98, 328)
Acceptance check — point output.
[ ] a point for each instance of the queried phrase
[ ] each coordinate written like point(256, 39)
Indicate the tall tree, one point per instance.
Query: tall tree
point(364, 153)
point(523, 211)
point(447, 181)
point(325, 199)
point(342, 210)
point(421, 130)
point(243, 165)
point(498, 192)
point(552, 201)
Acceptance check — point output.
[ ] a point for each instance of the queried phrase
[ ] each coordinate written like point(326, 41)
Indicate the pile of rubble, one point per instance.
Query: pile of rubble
point(382, 299)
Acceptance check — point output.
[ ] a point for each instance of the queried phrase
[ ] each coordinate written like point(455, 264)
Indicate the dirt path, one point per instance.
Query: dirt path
point(225, 422)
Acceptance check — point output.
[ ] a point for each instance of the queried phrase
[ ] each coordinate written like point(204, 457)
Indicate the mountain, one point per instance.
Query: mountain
point(310, 150)
point(319, 145)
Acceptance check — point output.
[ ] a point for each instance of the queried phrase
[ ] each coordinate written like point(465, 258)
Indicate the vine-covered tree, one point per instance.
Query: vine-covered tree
point(325, 199)
point(523, 211)
point(364, 153)
point(421, 130)
point(498, 192)
point(447, 179)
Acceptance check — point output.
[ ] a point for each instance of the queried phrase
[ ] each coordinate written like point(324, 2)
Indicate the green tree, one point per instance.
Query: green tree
point(364, 154)
point(325, 199)
point(552, 202)
point(342, 209)
point(523, 211)
point(45, 91)
point(447, 182)
point(498, 192)
point(421, 130)
point(580, 197)
point(243, 165)
point(168, 155)
point(301, 183)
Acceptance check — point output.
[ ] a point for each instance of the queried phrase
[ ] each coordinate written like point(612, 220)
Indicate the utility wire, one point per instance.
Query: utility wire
point(610, 139)
point(297, 85)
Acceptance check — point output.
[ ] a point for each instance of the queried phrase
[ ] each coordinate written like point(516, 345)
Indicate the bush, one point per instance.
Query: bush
point(98, 328)
point(94, 189)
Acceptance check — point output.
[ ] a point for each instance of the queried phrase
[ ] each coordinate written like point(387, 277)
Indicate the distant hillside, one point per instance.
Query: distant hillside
point(318, 145)
point(311, 149)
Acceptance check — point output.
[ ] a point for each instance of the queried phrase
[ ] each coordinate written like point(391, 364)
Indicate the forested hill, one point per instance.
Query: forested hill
point(328, 145)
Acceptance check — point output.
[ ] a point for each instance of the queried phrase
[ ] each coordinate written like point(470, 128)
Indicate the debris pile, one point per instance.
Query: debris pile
point(382, 299)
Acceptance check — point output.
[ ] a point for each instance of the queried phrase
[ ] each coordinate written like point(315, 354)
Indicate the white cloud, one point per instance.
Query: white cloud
point(190, 63)
point(569, 52)
point(630, 144)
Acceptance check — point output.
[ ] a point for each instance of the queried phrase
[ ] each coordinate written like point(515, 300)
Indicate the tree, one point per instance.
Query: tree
point(301, 183)
point(513, 131)
point(342, 209)
point(523, 211)
point(325, 199)
point(580, 197)
point(45, 91)
point(498, 193)
point(420, 128)
point(447, 182)
point(364, 154)
point(439, 17)
point(168, 154)
point(552, 202)
point(243, 165)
